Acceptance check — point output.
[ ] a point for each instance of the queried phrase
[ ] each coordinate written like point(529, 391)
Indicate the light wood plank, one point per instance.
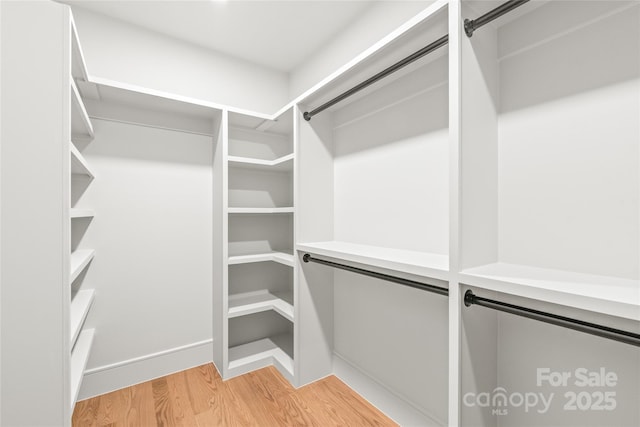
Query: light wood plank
point(199, 397)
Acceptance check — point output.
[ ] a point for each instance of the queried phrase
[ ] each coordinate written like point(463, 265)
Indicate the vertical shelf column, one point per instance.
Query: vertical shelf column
point(258, 282)
point(80, 176)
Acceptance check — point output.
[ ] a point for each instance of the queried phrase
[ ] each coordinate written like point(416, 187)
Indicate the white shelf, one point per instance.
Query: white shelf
point(80, 124)
point(275, 256)
point(79, 357)
point(80, 306)
point(79, 165)
point(79, 260)
point(255, 302)
point(260, 210)
point(81, 213)
point(422, 264)
point(601, 294)
point(281, 164)
point(263, 352)
point(78, 64)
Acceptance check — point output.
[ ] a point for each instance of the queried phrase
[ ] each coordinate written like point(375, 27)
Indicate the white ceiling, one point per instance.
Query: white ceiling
point(275, 33)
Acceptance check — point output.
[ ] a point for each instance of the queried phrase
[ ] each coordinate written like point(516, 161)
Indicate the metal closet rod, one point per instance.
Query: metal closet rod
point(566, 322)
point(469, 26)
point(406, 282)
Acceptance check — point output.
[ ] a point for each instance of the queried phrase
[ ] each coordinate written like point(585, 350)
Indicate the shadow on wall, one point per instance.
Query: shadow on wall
point(396, 112)
point(542, 68)
point(138, 142)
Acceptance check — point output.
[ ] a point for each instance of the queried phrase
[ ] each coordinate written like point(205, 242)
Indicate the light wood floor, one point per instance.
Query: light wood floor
point(199, 397)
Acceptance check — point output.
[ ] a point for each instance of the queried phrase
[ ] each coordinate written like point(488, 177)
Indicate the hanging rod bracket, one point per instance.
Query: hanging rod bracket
point(470, 25)
point(306, 116)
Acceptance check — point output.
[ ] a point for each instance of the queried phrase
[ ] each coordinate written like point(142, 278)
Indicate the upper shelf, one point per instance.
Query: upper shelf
point(79, 358)
point(81, 127)
point(275, 256)
point(78, 64)
point(261, 210)
point(255, 302)
point(79, 260)
point(423, 29)
point(80, 306)
point(81, 213)
point(282, 164)
point(422, 264)
point(601, 294)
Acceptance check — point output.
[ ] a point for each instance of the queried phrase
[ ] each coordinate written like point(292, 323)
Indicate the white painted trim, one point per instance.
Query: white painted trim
point(108, 378)
point(147, 357)
point(390, 403)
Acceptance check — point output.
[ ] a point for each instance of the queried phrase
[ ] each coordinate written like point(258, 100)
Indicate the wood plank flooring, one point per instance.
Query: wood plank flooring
point(198, 397)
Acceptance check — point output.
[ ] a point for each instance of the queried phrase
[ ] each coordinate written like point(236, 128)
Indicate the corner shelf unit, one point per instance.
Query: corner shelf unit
point(257, 287)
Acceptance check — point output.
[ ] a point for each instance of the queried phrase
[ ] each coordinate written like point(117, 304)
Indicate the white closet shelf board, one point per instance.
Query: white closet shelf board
point(275, 256)
point(422, 264)
point(80, 306)
point(282, 164)
point(79, 165)
point(600, 294)
point(105, 102)
point(258, 354)
point(80, 123)
point(149, 97)
point(280, 125)
point(424, 28)
point(79, 260)
point(258, 301)
point(79, 357)
point(78, 64)
point(81, 213)
point(260, 210)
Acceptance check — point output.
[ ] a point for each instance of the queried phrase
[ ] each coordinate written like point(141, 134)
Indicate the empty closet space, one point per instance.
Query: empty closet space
point(153, 234)
point(550, 164)
point(374, 194)
point(256, 287)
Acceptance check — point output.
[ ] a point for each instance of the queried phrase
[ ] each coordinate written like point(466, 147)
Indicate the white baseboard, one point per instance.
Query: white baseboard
point(392, 405)
point(105, 379)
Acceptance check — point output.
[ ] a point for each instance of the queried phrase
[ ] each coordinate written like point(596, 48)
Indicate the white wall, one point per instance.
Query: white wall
point(375, 23)
point(153, 239)
point(119, 51)
point(568, 153)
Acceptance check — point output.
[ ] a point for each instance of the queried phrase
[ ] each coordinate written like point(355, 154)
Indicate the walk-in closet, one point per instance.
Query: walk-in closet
point(415, 213)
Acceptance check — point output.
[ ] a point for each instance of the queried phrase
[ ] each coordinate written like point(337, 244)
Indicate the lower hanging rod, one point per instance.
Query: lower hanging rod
point(406, 282)
point(577, 325)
